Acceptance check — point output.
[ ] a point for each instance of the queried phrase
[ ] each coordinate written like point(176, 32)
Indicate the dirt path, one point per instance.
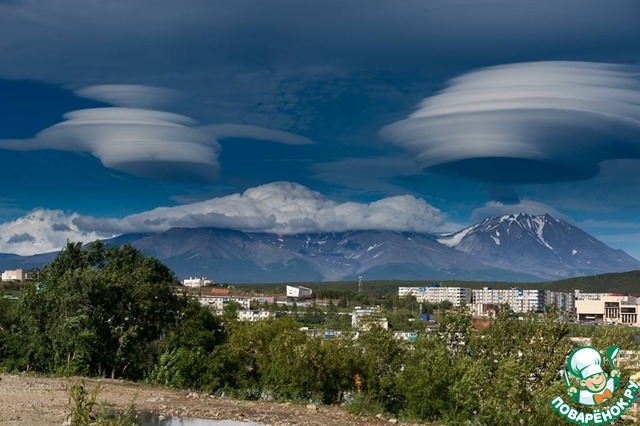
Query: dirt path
point(39, 401)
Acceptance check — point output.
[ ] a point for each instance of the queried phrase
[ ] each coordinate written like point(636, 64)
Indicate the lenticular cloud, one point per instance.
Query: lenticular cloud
point(142, 142)
point(135, 138)
point(130, 95)
point(528, 122)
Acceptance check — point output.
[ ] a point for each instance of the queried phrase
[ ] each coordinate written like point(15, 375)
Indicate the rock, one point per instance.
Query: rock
point(393, 421)
point(312, 407)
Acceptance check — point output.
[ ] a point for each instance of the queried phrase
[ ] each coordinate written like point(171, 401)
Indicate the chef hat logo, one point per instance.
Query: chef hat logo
point(584, 362)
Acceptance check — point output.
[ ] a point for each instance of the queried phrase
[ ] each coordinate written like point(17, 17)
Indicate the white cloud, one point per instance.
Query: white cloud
point(222, 131)
point(130, 95)
point(281, 207)
point(496, 208)
point(141, 142)
point(42, 231)
point(144, 142)
point(560, 118)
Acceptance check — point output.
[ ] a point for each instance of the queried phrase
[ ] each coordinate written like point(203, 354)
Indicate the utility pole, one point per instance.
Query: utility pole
point(359, 283)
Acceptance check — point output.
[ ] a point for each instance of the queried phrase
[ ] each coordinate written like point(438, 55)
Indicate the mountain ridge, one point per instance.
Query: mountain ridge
point(518, 248)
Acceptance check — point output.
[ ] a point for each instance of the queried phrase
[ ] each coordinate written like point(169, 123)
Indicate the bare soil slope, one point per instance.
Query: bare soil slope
point(39, 401)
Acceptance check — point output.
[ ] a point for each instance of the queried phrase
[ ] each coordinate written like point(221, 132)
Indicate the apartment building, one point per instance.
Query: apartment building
point(364, 318)
point(436, 294)
point(520, 300)
point(566, 302)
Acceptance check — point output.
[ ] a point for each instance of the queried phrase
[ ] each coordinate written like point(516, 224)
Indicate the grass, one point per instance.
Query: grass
point(363, 405)
point(85, 410)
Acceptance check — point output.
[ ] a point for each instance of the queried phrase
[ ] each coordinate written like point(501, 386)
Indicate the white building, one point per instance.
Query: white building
point(519, 300)
point(247, 315)
point(299, 292)
point(218, 303)
point(611, 309)
point(196, 282)
point(435, 294)
point(14, 275)
point(363, 318)
point(578, 295)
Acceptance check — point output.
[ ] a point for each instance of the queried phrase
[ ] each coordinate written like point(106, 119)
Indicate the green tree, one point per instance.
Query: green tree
point(189, 359)
point(98, 313)
point(381, 360)
point(521, 364)
point(246, 353)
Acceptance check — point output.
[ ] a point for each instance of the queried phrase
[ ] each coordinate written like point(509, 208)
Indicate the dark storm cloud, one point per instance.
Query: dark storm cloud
point(527, 122)
point(231, 56)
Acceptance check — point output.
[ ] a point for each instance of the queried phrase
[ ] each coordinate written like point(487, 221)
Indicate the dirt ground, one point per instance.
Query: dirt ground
point(39, 401)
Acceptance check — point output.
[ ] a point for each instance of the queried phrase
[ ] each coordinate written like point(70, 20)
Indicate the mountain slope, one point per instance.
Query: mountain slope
point(226, 255)
point(546, 246)
point(507, 248)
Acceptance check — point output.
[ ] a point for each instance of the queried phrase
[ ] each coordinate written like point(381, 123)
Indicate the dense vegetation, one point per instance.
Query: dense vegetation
point(111, 312)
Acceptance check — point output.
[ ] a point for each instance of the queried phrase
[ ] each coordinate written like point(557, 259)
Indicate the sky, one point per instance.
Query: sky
point(289, 116)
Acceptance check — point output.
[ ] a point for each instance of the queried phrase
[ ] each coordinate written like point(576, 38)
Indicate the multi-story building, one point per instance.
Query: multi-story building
point(14, 275)
point(486, 300)
point(363, 318)
point(436, 294)
point(610, 308)
point(219, 302)
point(564, 302)
point(519, 300)
point(298, 292)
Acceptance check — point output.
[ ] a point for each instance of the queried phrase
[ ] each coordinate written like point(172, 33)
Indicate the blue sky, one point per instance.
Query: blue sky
point(291, 116)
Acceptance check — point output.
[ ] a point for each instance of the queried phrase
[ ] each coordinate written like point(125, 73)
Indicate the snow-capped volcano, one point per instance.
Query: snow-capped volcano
point(519, 247)
point(549, 246)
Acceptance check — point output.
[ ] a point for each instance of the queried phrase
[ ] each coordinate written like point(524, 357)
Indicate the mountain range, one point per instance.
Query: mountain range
point(518, 247)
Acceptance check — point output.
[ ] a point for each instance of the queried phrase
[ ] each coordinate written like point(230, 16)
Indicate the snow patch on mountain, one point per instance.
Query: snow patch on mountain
point(452, 240)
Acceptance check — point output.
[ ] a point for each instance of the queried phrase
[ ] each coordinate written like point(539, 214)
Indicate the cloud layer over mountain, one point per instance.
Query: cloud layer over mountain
point(281, 207)
point(42, 231)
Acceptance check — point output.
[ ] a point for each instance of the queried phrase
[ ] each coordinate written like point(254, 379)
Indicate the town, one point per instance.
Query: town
point(422, 304)
point(350, 343)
